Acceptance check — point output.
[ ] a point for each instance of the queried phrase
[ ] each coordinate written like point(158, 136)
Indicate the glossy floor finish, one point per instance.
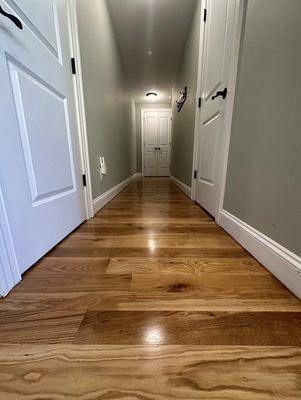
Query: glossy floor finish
point(150, 300)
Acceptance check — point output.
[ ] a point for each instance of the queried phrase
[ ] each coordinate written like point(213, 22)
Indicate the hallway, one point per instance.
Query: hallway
point(143, 302)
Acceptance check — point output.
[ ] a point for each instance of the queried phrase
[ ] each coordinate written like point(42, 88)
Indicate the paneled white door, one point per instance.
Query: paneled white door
point(157, 137)
point(40, 172)
point(217, 47)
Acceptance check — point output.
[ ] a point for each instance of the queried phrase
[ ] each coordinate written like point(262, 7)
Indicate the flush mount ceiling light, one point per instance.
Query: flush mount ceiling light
point(151, 95)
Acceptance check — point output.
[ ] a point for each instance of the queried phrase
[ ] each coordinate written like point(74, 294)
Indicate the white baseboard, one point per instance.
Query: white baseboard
point(139, 174)
point(104, 198)
point(186, 189)
point(282, 263)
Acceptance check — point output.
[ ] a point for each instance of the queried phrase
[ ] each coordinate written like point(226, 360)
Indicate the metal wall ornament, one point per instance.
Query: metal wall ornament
point(182, 99)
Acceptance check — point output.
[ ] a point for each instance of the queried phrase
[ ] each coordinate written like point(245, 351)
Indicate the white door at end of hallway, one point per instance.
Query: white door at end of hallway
point(217, 47)
point(40, 169)
point(156, 142)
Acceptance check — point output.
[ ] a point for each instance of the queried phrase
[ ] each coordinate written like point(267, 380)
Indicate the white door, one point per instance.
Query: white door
point(156, 136)
point(150, 144)
point(40, 172)
point(215, 72)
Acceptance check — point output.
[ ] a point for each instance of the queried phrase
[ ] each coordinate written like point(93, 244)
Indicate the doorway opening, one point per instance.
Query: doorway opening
point(156, 141)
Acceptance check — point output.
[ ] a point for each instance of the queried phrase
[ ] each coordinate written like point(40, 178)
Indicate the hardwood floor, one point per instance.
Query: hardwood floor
point(150, 300)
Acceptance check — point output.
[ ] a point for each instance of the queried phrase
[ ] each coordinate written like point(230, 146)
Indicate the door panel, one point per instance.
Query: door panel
point(217, 49)
point(209, 148)
point(150, 144)
point(151, 161)
point(151, 138)
point(215, 38)
point(48, 158)
point(163, 122)
point(163, 163)
point(41, 17)
point(40, 169)
point(164, 132)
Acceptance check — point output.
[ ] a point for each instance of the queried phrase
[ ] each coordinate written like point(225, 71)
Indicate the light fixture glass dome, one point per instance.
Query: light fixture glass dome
point(151, 96)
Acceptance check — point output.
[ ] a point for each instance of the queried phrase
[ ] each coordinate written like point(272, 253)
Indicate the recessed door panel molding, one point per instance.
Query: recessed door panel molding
point(156, 135)
point(151, 128)
point(209, 145)
point(41, 17)
point(47, 153)
point(217, 47)
point(164, 134)
point(214, 46)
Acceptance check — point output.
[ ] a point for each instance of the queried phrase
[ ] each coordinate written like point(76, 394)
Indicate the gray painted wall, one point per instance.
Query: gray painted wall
point(183, 122)
point(139, 106)
point(109, 108)
point(263, 185)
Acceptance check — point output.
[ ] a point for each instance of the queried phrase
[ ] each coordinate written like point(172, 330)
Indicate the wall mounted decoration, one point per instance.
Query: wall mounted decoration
point(182, 100)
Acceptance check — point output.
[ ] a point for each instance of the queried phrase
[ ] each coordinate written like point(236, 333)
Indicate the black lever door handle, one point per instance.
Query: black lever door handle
point(222, 93)
point(13, 18)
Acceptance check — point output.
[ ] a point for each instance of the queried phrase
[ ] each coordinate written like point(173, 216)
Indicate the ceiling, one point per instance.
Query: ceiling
point(151, 35)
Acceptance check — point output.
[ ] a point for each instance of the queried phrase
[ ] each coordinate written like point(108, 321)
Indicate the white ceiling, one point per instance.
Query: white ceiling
point(160, 26)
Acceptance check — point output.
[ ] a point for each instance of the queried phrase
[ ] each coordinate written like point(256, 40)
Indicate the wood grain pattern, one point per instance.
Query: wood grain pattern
point(150, 259)
point(190, 328)
point(228, 266)
point(149, 372)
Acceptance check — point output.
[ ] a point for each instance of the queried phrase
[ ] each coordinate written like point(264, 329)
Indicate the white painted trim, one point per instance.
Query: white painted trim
point(143, 110)
point(104, 198)
point(198, 96)
point(9, 271)
point(238, 27)
point(238, 20)
point(282, 263)
point(80, 107)
point(186, 189)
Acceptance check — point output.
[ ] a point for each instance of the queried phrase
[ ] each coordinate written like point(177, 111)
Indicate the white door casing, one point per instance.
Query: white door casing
point(156, 138)
point(40, 169)
point(216, 61)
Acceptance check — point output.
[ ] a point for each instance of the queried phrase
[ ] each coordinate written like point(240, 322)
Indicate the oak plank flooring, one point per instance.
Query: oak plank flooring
point(190, 328)
point(99, 283)
point(150, 257)
point(228, 266)
point(208, 286)
point(149, 372)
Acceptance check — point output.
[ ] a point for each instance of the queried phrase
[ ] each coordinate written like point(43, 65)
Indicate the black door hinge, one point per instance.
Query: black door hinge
point(84, 180)
point(73, 66)
point(195, 174)
point(205, 14)
point(200, 102)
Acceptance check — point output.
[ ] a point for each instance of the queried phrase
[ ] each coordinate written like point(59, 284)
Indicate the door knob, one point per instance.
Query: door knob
point(13, 18)
point(159, 148)
point(222, 93)
point(156, 148)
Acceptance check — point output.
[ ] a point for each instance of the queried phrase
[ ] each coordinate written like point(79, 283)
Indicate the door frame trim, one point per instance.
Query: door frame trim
point(224, 151)
point(9, 269)
point(80, 108)
point(143, 110)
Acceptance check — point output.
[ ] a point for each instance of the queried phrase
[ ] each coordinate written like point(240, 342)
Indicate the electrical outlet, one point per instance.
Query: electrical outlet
point(103, 165)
